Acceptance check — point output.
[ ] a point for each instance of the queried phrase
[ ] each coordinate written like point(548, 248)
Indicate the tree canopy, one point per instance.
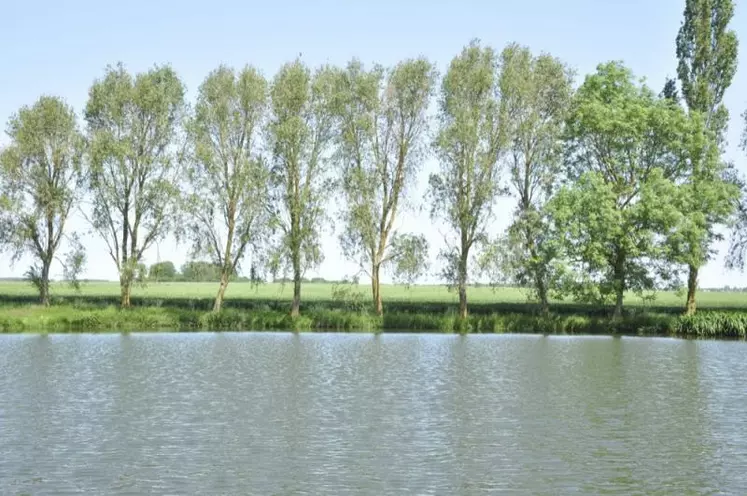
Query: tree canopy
point(624, 148)
point(40, 185)
point(134, 171)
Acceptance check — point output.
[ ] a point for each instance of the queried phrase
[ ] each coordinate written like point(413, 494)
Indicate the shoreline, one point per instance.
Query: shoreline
point(18, 319)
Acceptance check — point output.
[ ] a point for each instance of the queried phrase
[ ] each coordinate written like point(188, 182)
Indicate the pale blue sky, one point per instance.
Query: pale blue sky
point(60, 47)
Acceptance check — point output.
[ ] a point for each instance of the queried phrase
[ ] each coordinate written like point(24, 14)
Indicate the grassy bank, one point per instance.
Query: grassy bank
point(67, 318)
point(319, 297)
point(186, 307)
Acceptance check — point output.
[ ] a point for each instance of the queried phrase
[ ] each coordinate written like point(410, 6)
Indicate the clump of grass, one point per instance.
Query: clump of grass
point(72, 319)
point(713, 324)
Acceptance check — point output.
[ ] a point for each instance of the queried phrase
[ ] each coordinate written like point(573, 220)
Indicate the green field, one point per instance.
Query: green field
point(319, 292)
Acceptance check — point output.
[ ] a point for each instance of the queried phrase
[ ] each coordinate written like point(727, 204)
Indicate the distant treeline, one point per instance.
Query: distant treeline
point(193, 271)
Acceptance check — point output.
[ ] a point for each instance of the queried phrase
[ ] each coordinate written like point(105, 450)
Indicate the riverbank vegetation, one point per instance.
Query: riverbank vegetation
point(87, 318)
point(621, 190)
point(188, 307)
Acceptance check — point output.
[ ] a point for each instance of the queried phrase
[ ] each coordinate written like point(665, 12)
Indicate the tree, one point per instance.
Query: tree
point(738, 244)
point(162, 271)
point(625, 153)
point(133, 123)
point(468, 145)
point(141, 273)
point(41, 183)
point(201, 271)
point(380, 146)
point(707, 54)
point(670, 91)
point(300, 129)
point(535, 97)
point(228, 204)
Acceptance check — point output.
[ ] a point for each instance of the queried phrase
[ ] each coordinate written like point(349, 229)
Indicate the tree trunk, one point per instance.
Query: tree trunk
point(221, 290)
point(44, 283)
point(619, 285)
point(125, 286)
point(462, 284)
point(617, 314)
point(542, 294)
point(376, 287)
point(692, 286)
point(296, 305)
point(539, 280)
point(227, 266)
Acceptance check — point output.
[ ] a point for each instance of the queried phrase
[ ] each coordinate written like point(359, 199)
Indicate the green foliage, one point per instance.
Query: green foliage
point(383, 122)
point(624, 146)
point(201, 271)
point(535, 97)
point(409, 253)
point(229, 179)
point(134, 173)
point(162, 271)
point(738, 243)
point(468, 144)
point(141, 273)
point(299, 131)
point(40, 184)
point(670, 92)
point(707, 55)
point(74, 262)
point(348, 296)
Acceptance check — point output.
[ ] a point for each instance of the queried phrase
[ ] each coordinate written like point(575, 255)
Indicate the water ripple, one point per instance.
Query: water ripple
point(359, 414)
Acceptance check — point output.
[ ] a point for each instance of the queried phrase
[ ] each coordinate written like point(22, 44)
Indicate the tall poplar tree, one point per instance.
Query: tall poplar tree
point(707, 54)
point(468, 146)
point(536, 94)
point(134, 173)
point(381, 144)
point(299, 132)
point(228, 204)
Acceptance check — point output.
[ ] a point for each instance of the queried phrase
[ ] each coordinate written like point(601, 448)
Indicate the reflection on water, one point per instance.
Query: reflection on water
point(361, 414)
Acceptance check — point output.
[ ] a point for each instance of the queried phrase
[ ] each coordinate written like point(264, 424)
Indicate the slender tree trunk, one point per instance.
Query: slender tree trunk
point(296, 305)
point(227, 267)
point(619, 286)
point(376, 287)
point(542, 294)
point(539, 280)
point(692, 286)
point(44, 283)
point(617, 314)
point(462, 284)
point(221, 290)
point(125, 286)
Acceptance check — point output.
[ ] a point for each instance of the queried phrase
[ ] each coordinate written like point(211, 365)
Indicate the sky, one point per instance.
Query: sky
point(60, 47)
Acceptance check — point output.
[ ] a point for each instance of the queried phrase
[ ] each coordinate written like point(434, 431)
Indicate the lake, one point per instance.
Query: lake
point(336, 414)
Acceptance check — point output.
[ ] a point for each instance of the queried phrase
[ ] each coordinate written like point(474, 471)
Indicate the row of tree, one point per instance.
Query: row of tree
point(617, 188)
point(192, 271)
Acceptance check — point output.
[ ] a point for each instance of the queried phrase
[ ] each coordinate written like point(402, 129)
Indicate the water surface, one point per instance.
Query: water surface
point(285, 414)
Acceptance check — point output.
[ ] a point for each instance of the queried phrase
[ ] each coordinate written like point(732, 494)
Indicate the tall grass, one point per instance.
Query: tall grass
point(70, 318)
point(713, 325)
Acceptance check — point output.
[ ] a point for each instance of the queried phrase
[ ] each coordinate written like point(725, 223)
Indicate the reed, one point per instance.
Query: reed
point(93, 318)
